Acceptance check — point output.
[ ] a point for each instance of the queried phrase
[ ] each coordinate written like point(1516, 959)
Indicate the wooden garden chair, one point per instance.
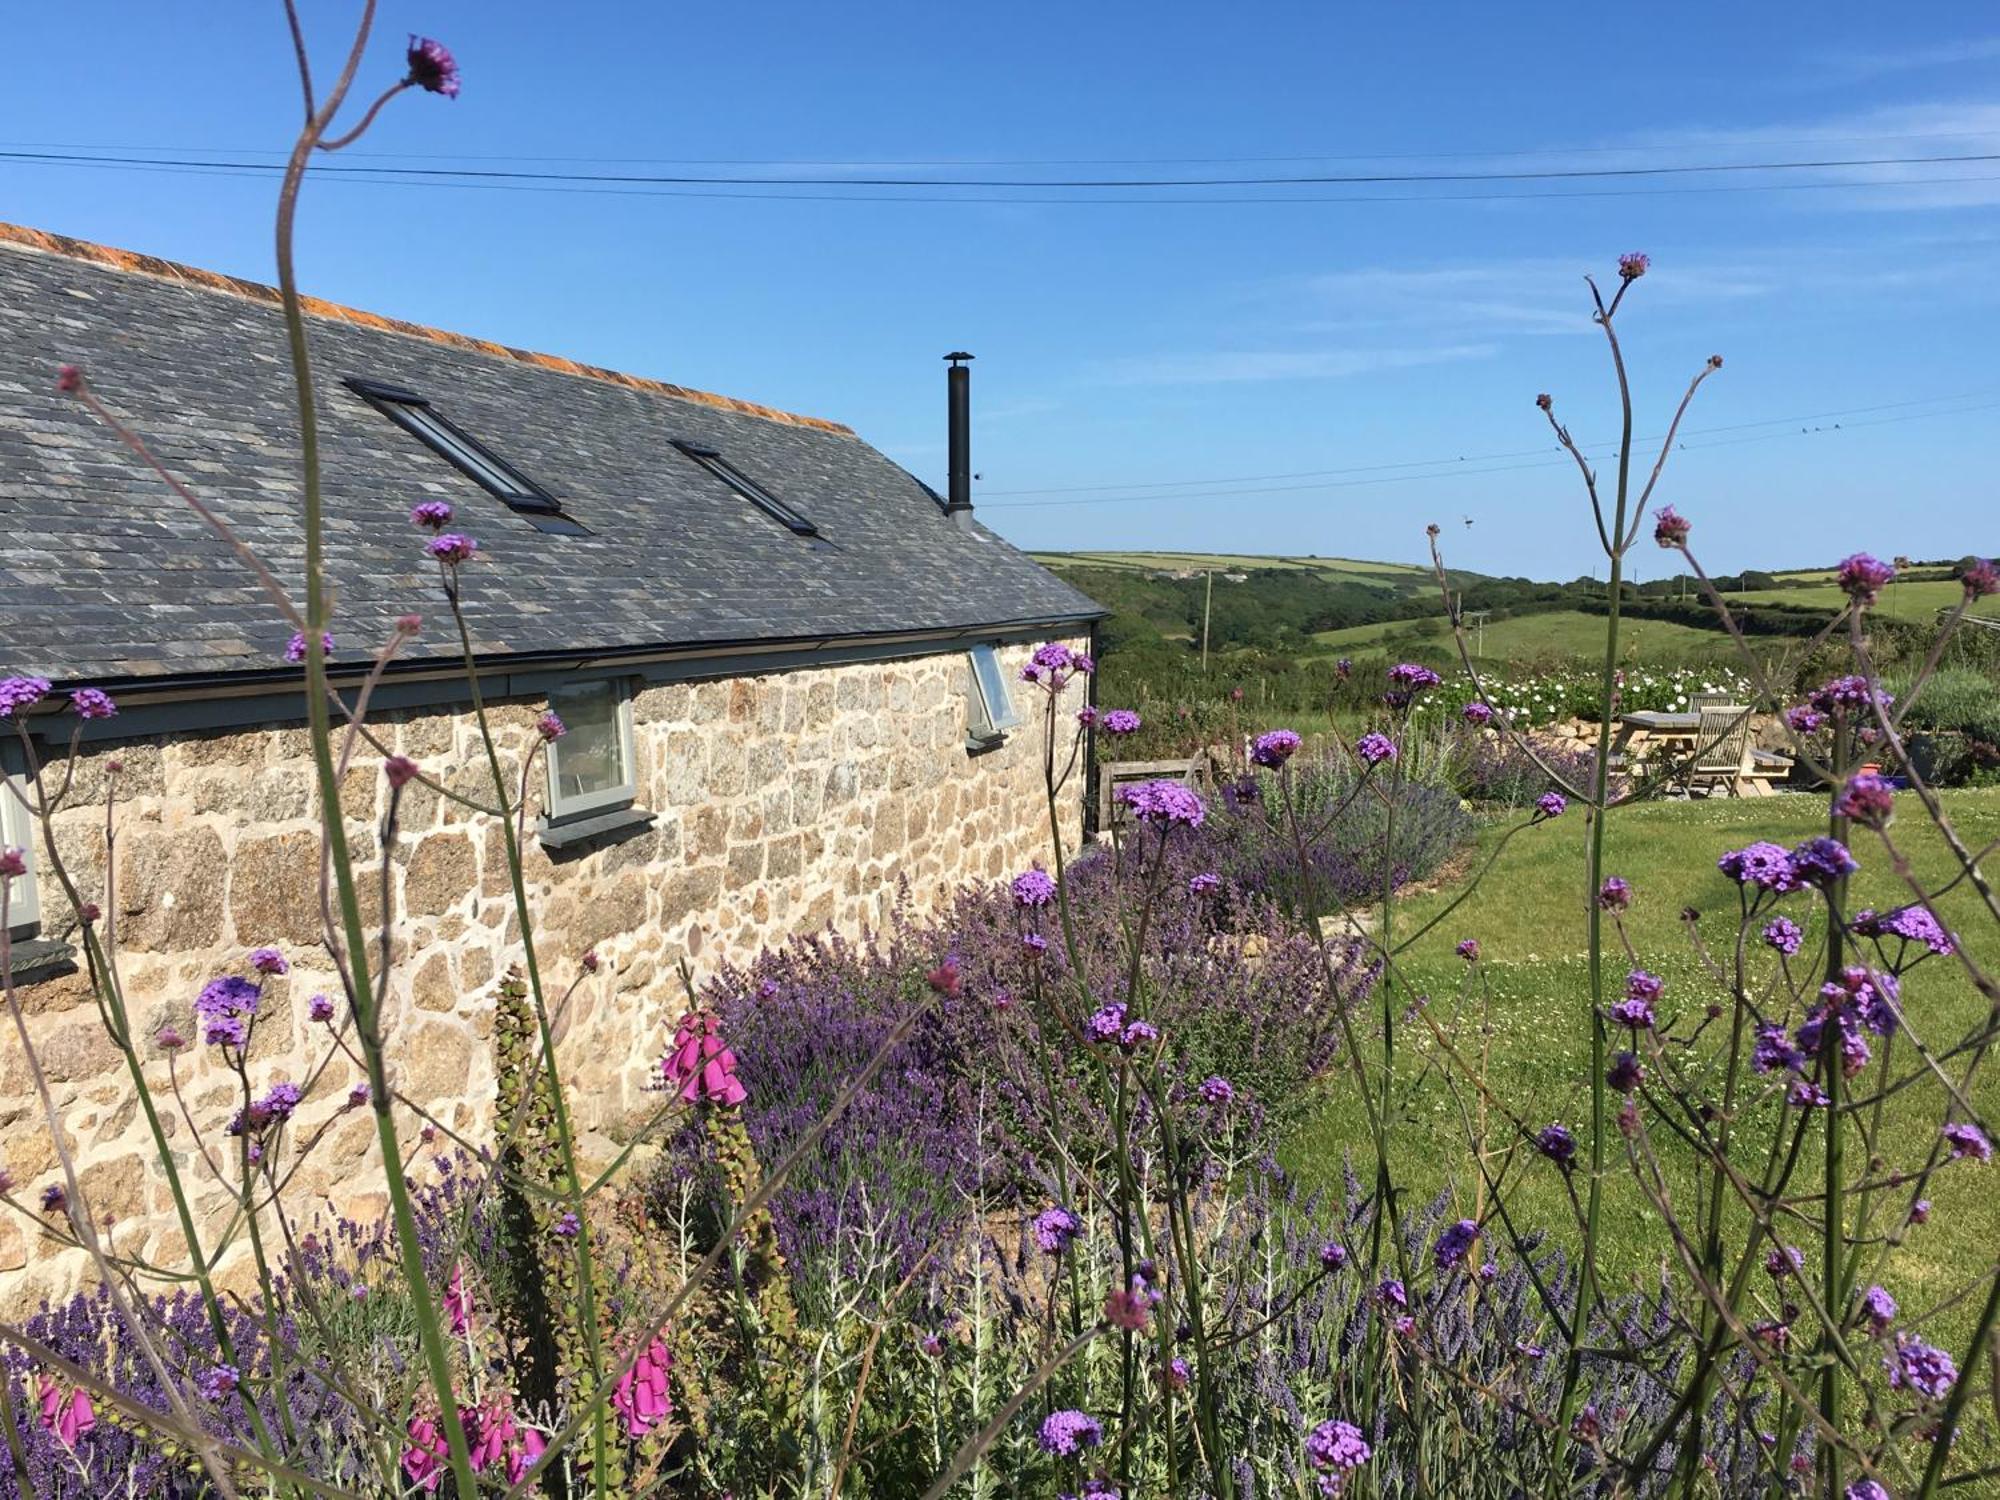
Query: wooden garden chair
point(1721, 750)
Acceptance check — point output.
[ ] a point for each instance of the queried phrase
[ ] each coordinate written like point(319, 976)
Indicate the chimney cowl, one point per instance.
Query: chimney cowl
point(958, 415)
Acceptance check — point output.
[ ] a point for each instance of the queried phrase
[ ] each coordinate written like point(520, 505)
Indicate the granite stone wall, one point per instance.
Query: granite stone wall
point(784, 802)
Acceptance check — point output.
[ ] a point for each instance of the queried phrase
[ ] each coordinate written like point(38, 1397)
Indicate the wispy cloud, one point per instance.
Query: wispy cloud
point(1856, 67)
point(1932, 128)
point(1235, 366)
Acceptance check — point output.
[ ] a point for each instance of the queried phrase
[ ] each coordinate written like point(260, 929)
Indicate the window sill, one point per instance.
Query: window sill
point(619, 822)
point(33, 959)
point(985, 746)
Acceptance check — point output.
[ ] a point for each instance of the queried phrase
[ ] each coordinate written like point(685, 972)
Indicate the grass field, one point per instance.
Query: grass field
point(1906, 601)
point(1528, 915)
point(1399, 574)
point(1567, 632)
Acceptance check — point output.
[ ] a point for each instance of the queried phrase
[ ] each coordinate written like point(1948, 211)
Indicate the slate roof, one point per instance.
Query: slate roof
point(105, 576)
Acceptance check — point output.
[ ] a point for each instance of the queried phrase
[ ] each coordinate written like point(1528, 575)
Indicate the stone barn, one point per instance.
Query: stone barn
point(788, 671)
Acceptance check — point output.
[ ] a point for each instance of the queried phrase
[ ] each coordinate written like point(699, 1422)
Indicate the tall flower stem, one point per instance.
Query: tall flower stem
point(558, 1103)
point(1614, 547)
point(361, 994)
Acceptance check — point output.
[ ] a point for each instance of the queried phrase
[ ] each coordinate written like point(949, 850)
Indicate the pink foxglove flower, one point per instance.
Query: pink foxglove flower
point(458, 1302)
point(641, 1397)
point(700, 1067)
point(66, 1416)
point(425, 1455)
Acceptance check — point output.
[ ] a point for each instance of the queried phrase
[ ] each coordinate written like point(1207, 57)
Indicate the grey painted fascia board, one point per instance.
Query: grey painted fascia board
point(148, 707)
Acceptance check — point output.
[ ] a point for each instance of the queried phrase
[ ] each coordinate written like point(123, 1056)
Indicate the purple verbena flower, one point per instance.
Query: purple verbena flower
point(432, 515)
point(1120, 721)
point(1867, 798)
point(1670, 527)
point(432, 67)
point(1625, 1074)
point(1454, 1243)
point(1064, 1432)
point(295, 648)
point(1774, 1052)
point(1615, 894)
point(1202, 884)
point(1879, 1308)
point(1337, 1445)
point(549, 725)
point(1034, 888)
point(1375, 747)
point(1920, 1367)
point(1980, 579)
point(1217, 1090)
point(17, 693)
point(1274, 747)
point(1550, 805)
point(1054, 664)
point(218, 1383)
point(1862, 577)
point(1805, 719)
point(226, 1006)
point(1469, 950)
point(1765, 865)
point(1054, 1228)
point(92, 703)
point(1785, 935)
point(1164, 803)
point(1406, 681)
point(451, 548)
point(1558, 1144)
point(1634, 1011)
point(1477, 713)
point(1634, 264)
point(269, 961)
point(1784, 1260)
point(1821, 861)
point(319, 1008)
point(1967, 1142)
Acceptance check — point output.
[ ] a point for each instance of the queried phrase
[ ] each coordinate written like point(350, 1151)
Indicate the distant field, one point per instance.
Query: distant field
point(1400, 574)
point(1905, 601)
point(1556, 633)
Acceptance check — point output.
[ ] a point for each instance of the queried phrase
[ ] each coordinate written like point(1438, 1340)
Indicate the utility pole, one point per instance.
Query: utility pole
point(1207, 598)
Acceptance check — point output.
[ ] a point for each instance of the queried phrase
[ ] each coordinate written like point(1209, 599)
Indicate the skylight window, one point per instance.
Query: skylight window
point(472, 458)
point(990, 710)
point(748, 488)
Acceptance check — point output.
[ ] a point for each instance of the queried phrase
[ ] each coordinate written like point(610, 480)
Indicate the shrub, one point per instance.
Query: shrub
point(1356, 838)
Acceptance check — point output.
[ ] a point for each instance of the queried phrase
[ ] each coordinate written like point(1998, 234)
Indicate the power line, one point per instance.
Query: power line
point(1558, 462)
point(1074, 184)
point(1468, 458)
point(998, 161)
point(360, 177)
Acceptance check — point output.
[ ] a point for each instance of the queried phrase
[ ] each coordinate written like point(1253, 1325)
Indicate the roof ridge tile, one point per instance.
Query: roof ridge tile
point(49, 243)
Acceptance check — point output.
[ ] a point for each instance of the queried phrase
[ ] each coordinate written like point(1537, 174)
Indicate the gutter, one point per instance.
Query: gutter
point(215, 700)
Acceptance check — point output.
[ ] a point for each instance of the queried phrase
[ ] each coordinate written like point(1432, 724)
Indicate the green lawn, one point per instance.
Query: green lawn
point(1528, 914)
point(1563, 632)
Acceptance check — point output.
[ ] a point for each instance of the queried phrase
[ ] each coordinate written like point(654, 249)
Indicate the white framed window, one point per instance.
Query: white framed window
point(990, 710)
point(591, 763)
point(17, 831)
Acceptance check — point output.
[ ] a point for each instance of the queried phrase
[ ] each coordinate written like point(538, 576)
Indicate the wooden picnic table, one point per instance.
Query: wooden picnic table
point(1680, 732)
point(1660, 724)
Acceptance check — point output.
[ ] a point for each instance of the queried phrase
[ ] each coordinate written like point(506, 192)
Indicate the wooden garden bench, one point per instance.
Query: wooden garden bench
point(1113, 774)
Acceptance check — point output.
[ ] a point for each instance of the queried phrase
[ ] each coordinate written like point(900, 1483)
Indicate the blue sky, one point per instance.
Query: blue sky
point(1213, 375)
